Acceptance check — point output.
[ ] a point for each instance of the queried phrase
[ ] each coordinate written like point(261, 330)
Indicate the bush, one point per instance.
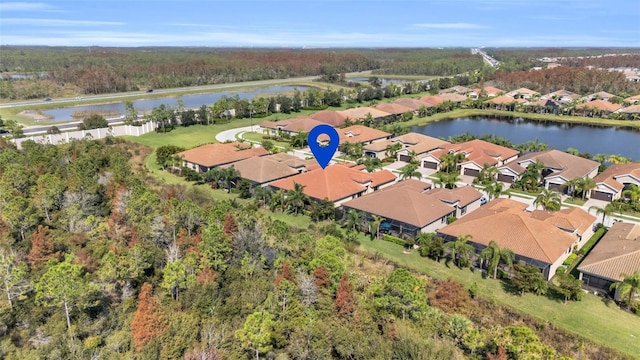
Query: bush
point(601, 230)
point(570, 260)
point(393, 239)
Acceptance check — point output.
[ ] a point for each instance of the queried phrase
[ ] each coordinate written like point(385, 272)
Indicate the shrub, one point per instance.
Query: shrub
point(393, 239)
point(570, 260)
point(601, 230)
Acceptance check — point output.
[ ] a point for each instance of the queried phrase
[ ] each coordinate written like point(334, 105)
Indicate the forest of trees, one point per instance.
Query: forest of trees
point(435, 62)
point(98, 260)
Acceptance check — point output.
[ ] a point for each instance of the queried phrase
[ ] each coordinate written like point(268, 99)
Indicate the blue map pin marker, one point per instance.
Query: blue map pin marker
point(322, 153)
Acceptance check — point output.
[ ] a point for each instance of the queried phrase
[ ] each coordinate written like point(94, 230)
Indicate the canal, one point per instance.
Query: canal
point(190, 101)
point(561, 136)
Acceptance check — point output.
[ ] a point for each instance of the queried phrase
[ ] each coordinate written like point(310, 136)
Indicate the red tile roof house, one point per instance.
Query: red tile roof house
point(413, 104)
point(602, 106)
point(560, 167)
point(419, 143)
point(361, 134)
point(614, 180)
point(291, 126)
point(408, 208)
point(392, 108)
point(523, 93)
point(477, 152)
point(261, 170)
point(603, 95)
point(203, 158)
point(561, 96)
point(544, 240)
point(333, 118)
point(360, 113)
point(337, 183)
point(432, 100)
point(633, 99)
point(618, 252)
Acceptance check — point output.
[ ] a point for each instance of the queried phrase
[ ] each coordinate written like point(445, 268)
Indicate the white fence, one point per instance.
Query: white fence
point(117, 130)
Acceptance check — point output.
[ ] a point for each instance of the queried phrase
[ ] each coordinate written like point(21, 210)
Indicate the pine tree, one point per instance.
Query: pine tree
point(345, 303)
point(41, 246)
point(148, 322)
point(230, 225)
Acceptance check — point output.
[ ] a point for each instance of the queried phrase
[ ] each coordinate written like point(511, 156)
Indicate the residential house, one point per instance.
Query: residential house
point(618, 252)
point(432, 100)
point(614, 180)
point(333, 118)
point(633, 99)
point(361, 113)
point(205, 157)
point(300, 124)
point(561, 96)
point(361, 134)
point(413, 104)
point(453, 97)
point(410, 207)
point(493, 91)
point(337, 183)
point(503, 102)
point(261, 170)
point(523, 93)
point(477, 154)
point(411, 143)
point(598, 106)
point(602, 95)
point(545, 105)
point(458, 89)
point(631, 111)
point(393, 108)
point(542, 241)
point(560, 167)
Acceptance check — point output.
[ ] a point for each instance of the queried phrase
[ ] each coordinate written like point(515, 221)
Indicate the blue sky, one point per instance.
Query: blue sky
point(328, 23)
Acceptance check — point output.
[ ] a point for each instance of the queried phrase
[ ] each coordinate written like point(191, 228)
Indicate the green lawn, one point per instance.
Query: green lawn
point(591, 318)
point(254, 136)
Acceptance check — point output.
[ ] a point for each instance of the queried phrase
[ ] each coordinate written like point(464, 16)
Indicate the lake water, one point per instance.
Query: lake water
point(190, 101)
point(384, 81)
point(561, 136)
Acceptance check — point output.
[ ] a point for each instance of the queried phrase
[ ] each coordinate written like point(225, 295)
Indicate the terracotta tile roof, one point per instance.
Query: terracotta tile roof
point(633, 99)
point(333, 118)
point(570, 219)
point(463, 195)
point(456, 89)
point(563, 164)
point(603, 94)
point(290, 160)
point(415, 185)
point(361, 113)
point(503, 99)
point(616, 253)
point(361, 133)
point(335, 182)
point(404, 203)
point(492, 90)
point(545, 103)
point(382, 177)
point(562, 93)
point(378, 146)
point(297, 124)
point(600, 105)
point(633, 109)
point(211, 155)
point(616, 170)
point(453, 97)
point(432, 100)
point(412, 103)
point(393, 108)
point(479, 151)
point(505, 222)
point(262, 169)
point(524, 91)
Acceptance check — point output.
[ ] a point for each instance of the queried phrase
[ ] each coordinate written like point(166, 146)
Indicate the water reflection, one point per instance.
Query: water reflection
point(592, 139)
point(190, 101)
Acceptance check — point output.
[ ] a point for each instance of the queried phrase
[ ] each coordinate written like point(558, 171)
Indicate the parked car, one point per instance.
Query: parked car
point(47, 99)
point(149, 90)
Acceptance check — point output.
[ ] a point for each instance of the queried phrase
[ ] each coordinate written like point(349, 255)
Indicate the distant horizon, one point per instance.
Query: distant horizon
point(322, 23)
point(320, 47)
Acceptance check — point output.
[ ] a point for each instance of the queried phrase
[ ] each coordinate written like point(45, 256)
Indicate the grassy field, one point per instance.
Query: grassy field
point(592, 318)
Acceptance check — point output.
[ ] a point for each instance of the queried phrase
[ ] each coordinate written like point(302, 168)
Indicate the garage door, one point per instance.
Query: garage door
point(601, 195)
point(405, 158)
point(558, 187)
point(430, 165)
point(505, 178)
point(471, 172)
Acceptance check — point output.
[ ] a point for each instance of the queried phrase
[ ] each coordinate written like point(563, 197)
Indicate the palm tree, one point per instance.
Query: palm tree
point(630, 285)
point(262, 194)
point(229, 176)
point(633, 193)
point(493, 254)
point(372, 164)
point(352, 219)
point(605, 211)
point(278, 200)
point(296, 198)
point(213, 177)
point(585, 185)
point(374, 225)
point(392, 150)
point(413, 157)
point(450, 161)
point(460, 249)
point(548, 199)
point(409, 171)
point(495, 189)
point(487, 174)
point(448, 181)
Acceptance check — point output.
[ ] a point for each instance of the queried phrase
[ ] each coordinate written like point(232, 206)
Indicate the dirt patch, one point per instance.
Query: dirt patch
point(34, 115)
point(138, 154)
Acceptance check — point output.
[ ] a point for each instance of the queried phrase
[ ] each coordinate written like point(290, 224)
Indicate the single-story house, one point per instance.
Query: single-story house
point(603, 95)
point(361, 134)
point(393, 108)
point(633, 99)
point(453, 97)
point(300, 124)
point(561, 96)
point(337, 183)
point(360, 113)
point(410, 208)
point(560, 167)
point(413, 104)
point(631, 110)
point(504, 102)
point(333, 118)
point(205, 157)
point(418, 143)
point(477, 152)
point(549, 105)
point(432, 100)
point(458, 89)
point(614, 180)
point(523, 93)
point(261, 170)
point(599, 105)
point(535, 240)
point(618, 252)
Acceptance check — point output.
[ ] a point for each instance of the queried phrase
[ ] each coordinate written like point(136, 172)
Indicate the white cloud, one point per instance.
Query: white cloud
point(24, 6)
point(450, 26)
point(56, 22)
